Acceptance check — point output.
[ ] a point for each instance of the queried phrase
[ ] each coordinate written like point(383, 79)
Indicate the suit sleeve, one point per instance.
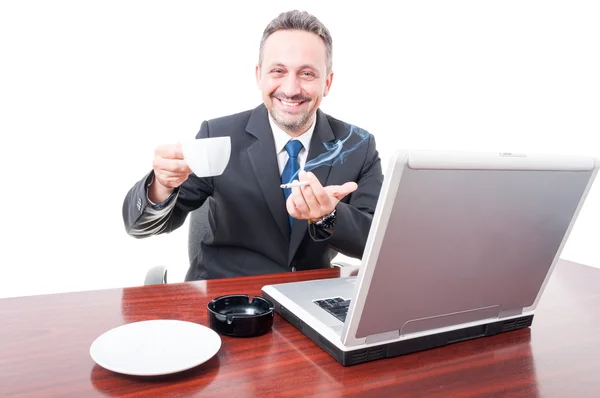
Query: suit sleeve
point(142, 219)
point(354, 217)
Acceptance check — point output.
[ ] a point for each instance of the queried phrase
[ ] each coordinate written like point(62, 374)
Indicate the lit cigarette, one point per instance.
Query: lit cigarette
point(294, 184)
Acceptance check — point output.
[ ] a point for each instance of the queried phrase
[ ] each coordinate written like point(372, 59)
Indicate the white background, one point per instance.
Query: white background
point(88, 89)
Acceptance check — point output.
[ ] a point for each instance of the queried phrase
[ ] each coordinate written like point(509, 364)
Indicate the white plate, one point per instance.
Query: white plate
point(157, 347)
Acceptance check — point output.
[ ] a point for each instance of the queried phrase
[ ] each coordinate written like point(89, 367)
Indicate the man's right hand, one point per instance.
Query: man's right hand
point(170, 171)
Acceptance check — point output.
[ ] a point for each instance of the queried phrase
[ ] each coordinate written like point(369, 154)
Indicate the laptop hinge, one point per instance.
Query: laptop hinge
point(510, 312)
point(379, 337)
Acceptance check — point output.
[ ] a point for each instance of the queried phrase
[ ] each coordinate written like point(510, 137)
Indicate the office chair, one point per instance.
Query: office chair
point(198, 227)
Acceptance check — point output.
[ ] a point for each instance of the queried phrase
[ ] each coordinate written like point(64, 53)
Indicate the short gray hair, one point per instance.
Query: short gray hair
point(298, 20)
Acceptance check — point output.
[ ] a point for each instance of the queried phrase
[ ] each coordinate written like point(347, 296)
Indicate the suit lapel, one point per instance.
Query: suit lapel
point(321, 135)
point(264, 162)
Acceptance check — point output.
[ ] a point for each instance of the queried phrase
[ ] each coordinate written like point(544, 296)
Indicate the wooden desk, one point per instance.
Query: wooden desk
point(45, 340)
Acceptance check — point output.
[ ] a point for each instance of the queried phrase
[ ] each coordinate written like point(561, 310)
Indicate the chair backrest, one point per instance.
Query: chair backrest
point(198, 229)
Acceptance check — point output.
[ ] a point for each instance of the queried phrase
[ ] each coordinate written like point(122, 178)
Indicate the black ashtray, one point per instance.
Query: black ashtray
point(238, 315)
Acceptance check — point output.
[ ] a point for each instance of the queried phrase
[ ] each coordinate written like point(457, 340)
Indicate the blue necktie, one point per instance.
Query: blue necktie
point(290, 172)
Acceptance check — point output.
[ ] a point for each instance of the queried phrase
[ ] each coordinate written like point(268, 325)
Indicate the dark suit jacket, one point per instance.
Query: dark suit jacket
point(249, 230)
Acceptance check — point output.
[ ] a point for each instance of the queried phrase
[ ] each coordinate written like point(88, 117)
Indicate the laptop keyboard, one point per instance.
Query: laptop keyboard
point(337, 306)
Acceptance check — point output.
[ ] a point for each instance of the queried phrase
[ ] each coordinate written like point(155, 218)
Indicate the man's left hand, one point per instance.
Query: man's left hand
point(313, 201)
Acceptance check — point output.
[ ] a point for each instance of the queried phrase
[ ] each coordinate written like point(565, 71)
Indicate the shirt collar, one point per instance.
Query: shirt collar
point(281, 137)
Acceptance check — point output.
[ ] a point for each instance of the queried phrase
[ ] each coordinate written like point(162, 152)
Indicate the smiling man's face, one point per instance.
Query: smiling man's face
point(293, 78)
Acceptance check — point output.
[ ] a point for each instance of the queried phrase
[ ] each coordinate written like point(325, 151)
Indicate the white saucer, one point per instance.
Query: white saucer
point(157, 347)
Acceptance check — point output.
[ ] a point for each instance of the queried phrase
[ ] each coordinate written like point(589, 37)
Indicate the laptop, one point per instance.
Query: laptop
point(461, 246)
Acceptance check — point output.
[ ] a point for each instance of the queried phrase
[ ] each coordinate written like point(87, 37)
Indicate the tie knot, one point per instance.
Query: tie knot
point(293, 148)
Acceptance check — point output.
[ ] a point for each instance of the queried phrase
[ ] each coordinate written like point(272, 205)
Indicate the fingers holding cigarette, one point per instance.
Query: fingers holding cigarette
point(294, 184)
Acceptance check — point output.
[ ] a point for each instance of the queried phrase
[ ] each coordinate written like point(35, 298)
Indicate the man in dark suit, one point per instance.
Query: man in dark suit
point(255, 226)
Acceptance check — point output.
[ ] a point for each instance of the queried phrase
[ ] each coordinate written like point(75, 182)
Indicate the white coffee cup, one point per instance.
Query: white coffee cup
point(207, 157)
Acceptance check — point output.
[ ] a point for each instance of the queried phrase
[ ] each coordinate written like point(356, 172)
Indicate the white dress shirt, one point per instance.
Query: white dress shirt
point(281, 138)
